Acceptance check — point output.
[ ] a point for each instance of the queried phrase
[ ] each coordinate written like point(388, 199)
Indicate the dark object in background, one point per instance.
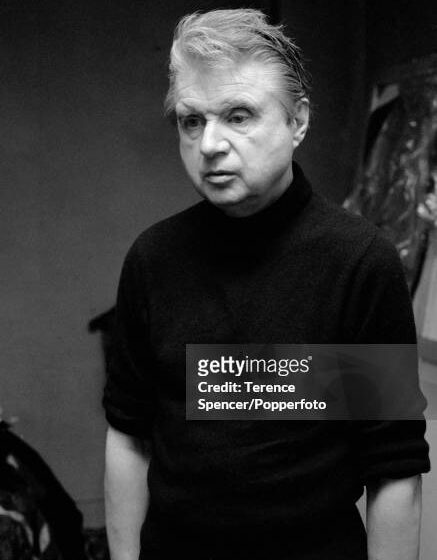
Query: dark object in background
point(14, 542)
point(37, 515)
point(104, 323)
point(96, 544)
point(396, 172)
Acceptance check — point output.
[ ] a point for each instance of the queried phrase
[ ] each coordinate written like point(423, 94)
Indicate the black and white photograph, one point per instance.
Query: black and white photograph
point(219, 280)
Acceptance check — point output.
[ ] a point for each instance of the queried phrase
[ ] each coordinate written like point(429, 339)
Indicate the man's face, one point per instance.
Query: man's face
point(236, 140)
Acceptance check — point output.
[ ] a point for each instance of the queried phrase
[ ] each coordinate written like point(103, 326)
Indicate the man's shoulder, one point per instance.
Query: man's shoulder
point(169, 233)
point(339, 231)
point(338, 221)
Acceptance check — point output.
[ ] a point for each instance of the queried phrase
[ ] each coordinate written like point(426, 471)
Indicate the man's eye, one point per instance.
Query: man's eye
point(191, 123)
point(239, 117)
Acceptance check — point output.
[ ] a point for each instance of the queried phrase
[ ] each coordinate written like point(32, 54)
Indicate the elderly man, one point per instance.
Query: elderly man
point(262, 259)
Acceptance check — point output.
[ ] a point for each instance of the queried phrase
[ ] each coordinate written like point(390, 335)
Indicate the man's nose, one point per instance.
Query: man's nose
point(213, 141)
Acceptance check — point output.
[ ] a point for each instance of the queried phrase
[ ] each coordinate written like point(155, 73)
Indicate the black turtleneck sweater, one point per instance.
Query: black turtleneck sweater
point(300, 271)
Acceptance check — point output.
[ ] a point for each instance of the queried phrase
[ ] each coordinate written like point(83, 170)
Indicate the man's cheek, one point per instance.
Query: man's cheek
point(186, 157)
point(192, 169)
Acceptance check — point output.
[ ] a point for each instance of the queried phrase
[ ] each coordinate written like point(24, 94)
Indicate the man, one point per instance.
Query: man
point(262, 259)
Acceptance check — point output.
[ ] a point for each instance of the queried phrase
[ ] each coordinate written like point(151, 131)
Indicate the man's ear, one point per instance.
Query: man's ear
point(300, 121)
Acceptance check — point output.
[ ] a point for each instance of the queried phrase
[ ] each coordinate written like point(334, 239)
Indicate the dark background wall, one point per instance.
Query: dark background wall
point(87, 162)
point(399, 31)
point(332, 36)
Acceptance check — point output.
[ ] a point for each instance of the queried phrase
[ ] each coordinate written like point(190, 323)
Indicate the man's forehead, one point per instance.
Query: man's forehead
point(222, 86)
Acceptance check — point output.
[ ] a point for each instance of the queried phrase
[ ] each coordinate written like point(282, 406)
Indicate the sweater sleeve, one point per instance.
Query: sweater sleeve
point(380, 312)
point(128, 395)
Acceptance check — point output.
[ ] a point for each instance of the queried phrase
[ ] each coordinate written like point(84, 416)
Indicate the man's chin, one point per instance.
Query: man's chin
point(221, 196)
point(237, 207)
point(224, 200)
point(230, 199)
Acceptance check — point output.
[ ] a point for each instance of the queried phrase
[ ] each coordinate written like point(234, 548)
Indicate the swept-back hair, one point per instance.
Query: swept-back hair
point(222, 37)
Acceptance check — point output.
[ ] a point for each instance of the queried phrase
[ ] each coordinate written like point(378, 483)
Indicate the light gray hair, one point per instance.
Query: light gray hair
point(222, 37)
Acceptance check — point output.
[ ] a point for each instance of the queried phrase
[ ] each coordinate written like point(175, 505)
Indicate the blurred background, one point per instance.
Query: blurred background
point(88, 162)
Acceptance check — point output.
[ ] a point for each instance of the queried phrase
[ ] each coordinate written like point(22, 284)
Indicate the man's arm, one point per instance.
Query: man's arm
point(393, 519)
point(126, 493)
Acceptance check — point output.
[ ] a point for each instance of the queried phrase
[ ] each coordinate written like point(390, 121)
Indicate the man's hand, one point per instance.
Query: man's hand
point(126, 493)
point(393, 519)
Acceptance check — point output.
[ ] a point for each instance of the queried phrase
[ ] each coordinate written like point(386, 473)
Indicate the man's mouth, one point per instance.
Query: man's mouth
point(219, 177)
